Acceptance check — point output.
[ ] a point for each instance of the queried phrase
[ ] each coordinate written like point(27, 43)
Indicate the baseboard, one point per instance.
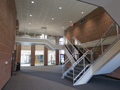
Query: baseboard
point(111, 77)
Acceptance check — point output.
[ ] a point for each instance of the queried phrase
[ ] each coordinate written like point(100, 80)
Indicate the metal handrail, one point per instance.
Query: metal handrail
point(77, 62)
point(108, 30)
point(68, 59)
point(81, 72)
point(70, 43)
point(82, 47)
point(68, 48)
point(38, 38)
point(80, 59)
point(80, 43)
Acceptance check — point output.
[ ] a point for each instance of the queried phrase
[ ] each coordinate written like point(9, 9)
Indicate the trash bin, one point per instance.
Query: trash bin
point(18, 66)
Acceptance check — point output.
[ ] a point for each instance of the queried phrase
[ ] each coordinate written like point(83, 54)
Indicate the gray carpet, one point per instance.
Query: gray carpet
point(49, 78)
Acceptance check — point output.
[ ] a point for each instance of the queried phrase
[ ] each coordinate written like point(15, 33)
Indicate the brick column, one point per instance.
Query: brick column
point(32, 55)
point(65, 56)
point(57, 57)
point(14, 68)
point(18, 53)
point(45, 56)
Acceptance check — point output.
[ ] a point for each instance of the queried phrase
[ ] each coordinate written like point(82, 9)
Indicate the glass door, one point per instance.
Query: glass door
point(62, 59)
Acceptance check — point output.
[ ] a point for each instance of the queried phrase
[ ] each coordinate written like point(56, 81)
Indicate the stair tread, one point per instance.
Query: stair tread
point(70, 77)
point(71, 74)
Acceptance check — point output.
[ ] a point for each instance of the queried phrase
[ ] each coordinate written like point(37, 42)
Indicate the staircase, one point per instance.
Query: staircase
point(82, 63)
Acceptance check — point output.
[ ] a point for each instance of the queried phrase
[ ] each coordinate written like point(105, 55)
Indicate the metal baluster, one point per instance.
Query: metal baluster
point(73, 75)
point(92, 59)
point(117, 28)
point(84, 63)
point(101, 46)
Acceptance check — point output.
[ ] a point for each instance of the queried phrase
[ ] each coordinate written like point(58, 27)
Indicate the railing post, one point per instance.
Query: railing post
point(91, 53)
point(62, 69)
point(84, 62)
point(117, 28)
point(73, 75)
point(101, 46)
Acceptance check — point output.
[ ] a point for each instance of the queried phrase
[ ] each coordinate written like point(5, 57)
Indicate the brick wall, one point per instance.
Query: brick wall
point(115, 73)
point(7, 38)
point(97, 22)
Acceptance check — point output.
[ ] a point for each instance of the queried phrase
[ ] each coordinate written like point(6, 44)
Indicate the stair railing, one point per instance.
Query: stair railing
point(71, 48)
point(84, 65)
point(66, 66)
point(108, 39)
point(79, 44)
point(82, 48)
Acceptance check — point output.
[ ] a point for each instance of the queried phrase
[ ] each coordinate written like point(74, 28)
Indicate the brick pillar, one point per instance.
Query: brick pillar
point(57, 57)
point(45, 56)
point(65, 56)
point(18, 53)
point(14, 68)
point(32, 55)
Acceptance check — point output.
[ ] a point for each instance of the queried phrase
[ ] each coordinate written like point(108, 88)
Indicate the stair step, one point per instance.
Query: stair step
point(78, 68)
point(71, 74)
point(69, 78)
point(76, 72)
point(80, 65)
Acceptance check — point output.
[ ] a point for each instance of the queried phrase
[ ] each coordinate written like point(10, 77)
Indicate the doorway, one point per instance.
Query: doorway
point(25, 57)
point(62, 59)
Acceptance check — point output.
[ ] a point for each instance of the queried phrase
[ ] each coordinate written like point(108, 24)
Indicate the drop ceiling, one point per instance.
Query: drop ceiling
point(43, 11)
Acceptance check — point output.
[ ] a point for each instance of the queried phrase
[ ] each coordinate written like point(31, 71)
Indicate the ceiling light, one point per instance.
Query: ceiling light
point(52, 18)
point(82, 12)
point(60, 7)
point(70, 21)
point(63, 27)
point(30, 15)
point(32, 2)
point(29, 23)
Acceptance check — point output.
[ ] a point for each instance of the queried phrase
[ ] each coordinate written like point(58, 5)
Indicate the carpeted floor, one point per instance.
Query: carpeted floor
point(49, 78)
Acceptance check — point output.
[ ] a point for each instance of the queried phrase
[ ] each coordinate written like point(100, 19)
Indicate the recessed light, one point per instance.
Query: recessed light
point(29, 23)
point(52, 18)
point(32, 2)
point(60, 7)
point(30, 15)
point(82, 12)
point(70, 21)
point(63, 27)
